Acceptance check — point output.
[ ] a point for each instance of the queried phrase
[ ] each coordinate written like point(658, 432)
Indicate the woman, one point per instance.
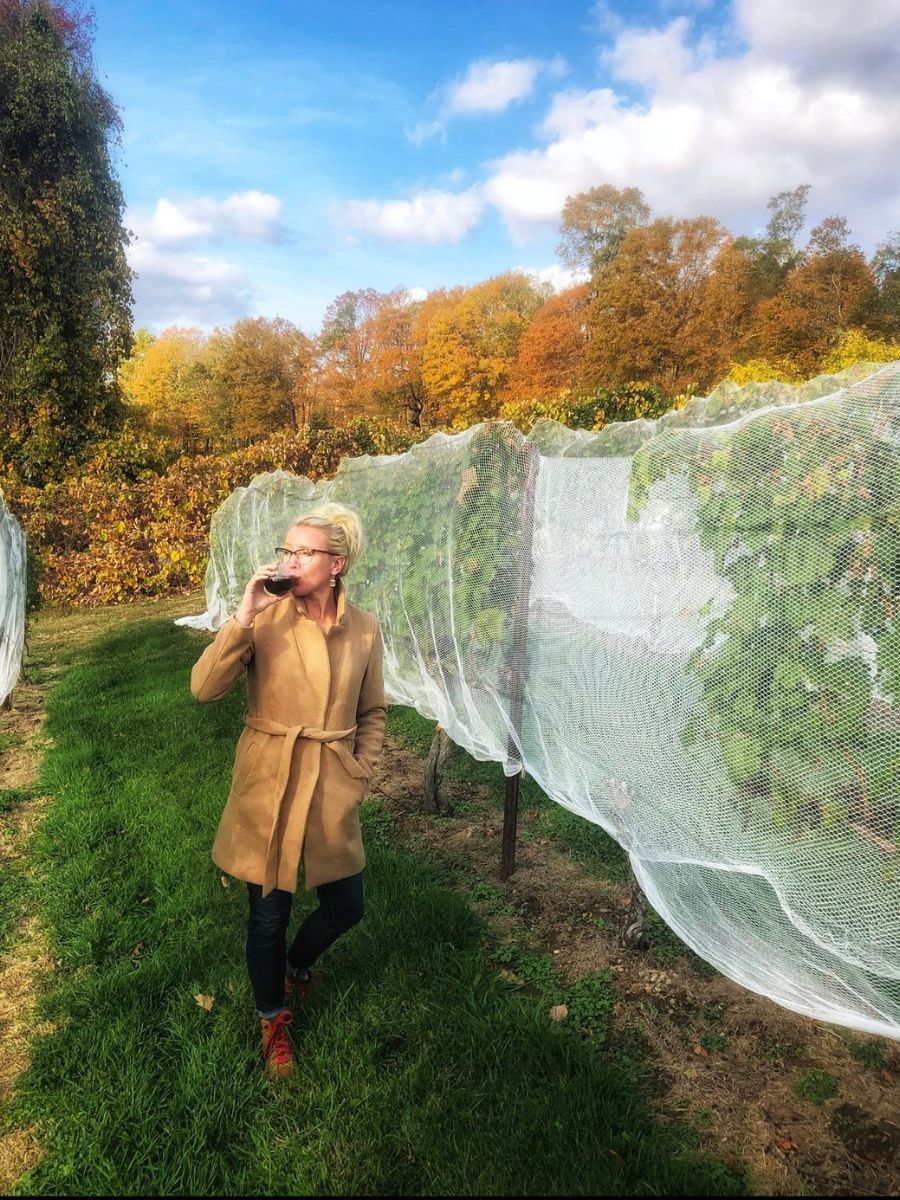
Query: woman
point(312, 736)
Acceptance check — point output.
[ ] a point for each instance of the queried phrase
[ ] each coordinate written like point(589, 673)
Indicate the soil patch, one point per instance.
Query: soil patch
point(724, 1058)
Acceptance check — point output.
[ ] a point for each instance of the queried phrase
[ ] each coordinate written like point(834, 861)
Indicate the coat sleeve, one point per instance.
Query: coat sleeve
point(215, 671)
point(371, 710)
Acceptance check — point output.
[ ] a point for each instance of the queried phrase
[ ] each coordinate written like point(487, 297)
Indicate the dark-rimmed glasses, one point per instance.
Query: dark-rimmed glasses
point(304, 554)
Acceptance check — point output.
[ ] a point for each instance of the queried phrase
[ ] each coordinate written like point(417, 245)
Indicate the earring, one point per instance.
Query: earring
point(333, 581)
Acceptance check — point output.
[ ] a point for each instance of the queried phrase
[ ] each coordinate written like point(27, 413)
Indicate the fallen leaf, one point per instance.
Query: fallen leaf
point(786, 1145)
point(226, 882)
point(690, 1073)
point(559, 1012)
point(137, 950)
point(205, 1001)
point(730, 1161)
point(700, 1052)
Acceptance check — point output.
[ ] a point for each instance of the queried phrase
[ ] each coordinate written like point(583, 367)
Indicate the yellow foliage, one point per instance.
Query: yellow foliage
point(762, 370)
point(856, 347)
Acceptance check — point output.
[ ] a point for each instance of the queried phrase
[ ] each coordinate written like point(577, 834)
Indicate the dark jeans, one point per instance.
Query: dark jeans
point(340, 907)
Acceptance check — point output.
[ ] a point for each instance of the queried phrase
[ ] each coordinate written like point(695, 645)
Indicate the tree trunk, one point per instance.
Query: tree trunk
point(437, 755)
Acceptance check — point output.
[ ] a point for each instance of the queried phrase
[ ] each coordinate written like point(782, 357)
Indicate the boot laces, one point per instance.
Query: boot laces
point(279, 1043)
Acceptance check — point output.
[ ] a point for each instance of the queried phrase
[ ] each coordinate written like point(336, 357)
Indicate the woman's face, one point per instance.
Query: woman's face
point(315, 571)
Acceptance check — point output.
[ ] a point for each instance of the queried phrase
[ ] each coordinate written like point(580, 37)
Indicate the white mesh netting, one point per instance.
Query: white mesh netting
point(12, 599)
point(685, 630)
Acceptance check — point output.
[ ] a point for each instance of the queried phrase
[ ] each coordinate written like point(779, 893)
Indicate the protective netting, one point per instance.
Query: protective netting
point(686, 630)
point(12, 599)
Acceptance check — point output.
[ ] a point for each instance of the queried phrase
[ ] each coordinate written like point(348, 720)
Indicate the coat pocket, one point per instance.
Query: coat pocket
point(351, 765)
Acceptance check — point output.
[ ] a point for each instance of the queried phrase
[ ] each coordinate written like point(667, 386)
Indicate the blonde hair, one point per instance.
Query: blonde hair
point(342, 527)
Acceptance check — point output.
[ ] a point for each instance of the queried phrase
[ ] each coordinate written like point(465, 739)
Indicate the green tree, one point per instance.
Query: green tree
point(594, 224)
point(772, 258)
point(886, 269)
point(65, 285)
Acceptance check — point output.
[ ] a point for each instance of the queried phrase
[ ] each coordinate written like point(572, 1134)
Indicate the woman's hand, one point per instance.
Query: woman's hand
point(255, 597)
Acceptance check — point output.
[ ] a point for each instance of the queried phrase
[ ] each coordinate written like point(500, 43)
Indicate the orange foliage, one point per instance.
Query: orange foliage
point(472, 345)
point(551, 357)
point(666, 309)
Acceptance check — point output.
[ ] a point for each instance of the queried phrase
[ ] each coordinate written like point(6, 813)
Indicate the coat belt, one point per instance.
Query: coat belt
point(333, 739)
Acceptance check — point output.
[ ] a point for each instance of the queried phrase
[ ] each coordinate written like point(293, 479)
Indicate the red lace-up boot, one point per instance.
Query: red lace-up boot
point(296, 985)
point(276, 1044)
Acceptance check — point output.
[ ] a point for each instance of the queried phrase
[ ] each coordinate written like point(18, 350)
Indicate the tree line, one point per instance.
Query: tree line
point(665, 308)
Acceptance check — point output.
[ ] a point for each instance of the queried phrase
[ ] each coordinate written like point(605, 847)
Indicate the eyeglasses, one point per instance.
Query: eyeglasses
point(303, 554)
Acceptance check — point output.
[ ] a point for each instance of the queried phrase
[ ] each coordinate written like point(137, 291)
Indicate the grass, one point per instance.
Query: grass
point(420, 1071)
point(817, 1086)
point(867, 1054)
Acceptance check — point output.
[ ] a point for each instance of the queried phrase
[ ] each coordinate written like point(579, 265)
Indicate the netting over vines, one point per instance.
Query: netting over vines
point(12, 600)
point(687, 631)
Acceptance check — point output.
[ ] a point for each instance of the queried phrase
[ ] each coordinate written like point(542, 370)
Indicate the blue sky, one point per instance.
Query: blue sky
point(274, 156)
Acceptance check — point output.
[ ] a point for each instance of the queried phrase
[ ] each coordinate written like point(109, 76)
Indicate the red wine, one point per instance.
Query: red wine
point(277, 585)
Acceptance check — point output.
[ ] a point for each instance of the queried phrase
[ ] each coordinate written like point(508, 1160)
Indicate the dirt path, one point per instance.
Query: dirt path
point(724, 1058)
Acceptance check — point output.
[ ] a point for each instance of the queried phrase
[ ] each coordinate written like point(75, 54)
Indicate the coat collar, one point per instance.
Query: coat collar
point(340, 596)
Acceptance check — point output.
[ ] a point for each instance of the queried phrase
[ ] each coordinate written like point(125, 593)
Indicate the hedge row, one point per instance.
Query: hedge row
point(118, 532)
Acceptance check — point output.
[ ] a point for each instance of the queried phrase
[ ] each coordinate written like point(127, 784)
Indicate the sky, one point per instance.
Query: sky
point(276, 155)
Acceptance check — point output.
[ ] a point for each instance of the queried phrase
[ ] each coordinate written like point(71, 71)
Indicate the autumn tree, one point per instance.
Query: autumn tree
point(833, 290)
point(391, 382)
point(344, 350)
point(551, 355)
point(65, 286)
point(594, 224)
point(664, 305)
point(167, 383)
point(259, 371)
point(472, 345)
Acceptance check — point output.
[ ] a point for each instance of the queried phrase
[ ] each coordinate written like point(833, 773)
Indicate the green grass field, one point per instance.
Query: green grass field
point(419, 1071)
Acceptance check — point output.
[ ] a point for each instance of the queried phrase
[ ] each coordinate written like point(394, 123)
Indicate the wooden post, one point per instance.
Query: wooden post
point(516, 666)
point(634, 930)
point(440, 748)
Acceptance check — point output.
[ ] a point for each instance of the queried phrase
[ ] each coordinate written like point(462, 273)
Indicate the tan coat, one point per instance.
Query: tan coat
point(313, 734)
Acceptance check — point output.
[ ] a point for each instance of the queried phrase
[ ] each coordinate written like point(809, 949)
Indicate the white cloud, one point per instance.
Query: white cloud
point(486, 87)
point(417, 293)
point(654, 58)
point(177, 288)
point(574, 111)
point(858, 40)
point(249, 216)
point(490, 87)
point(430, 217)
point(798, 91)
point(720, 133)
